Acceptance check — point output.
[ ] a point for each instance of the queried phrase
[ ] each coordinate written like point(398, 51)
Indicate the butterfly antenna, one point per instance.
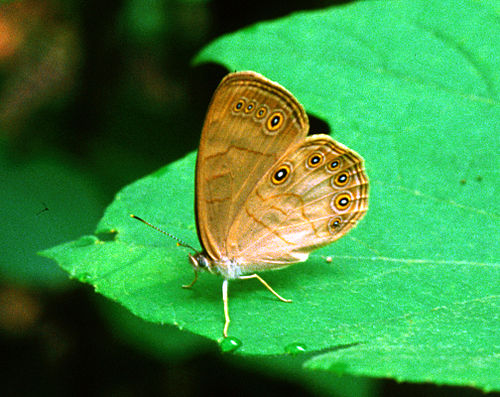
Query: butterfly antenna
point(179, 241)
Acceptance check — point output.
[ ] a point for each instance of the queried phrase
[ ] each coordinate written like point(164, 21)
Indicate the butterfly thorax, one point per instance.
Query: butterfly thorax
point(225, 267)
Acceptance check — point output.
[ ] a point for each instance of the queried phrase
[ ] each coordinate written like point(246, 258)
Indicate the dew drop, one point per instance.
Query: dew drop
point(295, 348)
point(83, 277)
point(230, 344)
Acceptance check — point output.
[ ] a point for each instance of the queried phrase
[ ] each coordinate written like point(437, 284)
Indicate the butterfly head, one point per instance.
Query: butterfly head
point(200, 262)
point(225, 267)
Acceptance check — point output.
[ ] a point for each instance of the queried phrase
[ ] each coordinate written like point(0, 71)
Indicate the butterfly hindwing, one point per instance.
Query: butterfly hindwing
point(312, 196)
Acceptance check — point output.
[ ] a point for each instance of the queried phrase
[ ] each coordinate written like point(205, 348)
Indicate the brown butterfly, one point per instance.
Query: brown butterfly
point(266, 193)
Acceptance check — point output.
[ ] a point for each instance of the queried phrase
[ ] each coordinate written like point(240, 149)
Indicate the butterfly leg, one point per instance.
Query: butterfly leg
point(265, 285)
point(192, 282)
point(226, 307)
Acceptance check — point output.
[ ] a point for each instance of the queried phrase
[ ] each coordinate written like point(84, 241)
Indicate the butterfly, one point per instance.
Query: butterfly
point(267, 194)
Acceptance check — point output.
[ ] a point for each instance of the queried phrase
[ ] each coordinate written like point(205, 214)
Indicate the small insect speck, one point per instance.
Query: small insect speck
point(45, 208)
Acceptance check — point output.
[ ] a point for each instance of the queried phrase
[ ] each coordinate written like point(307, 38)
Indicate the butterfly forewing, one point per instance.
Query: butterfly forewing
point(250, 124)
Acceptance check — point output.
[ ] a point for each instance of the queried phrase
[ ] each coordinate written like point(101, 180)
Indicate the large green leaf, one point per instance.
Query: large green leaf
point(411, 293)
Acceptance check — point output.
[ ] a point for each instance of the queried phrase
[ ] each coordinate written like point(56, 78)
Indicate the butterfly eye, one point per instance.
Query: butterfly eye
point(281, 175)
point(333, 165)
point(250, 107)
point(198, 261)
point(334, 224)
point(275, 121)
point(261, 113)
point(342, 201)
point(315, 160)
point(341, 179)
point(239, 105)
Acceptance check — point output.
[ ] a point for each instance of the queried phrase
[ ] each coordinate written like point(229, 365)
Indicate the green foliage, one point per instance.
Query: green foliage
point(43, 202)
point(412, 293)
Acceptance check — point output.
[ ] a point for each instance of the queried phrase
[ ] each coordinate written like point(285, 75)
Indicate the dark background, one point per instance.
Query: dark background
point(107, 90)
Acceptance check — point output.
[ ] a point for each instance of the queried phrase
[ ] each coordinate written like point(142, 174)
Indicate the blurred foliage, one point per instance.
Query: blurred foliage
point(45, 200)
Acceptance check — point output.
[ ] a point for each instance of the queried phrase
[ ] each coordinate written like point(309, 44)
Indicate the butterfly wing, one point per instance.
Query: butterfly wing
point(312, 196)
point(250, 124)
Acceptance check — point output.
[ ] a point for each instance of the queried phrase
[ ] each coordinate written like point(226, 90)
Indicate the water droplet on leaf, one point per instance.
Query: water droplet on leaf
point(230, 344)
point(295, 348)
point(84, 277)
